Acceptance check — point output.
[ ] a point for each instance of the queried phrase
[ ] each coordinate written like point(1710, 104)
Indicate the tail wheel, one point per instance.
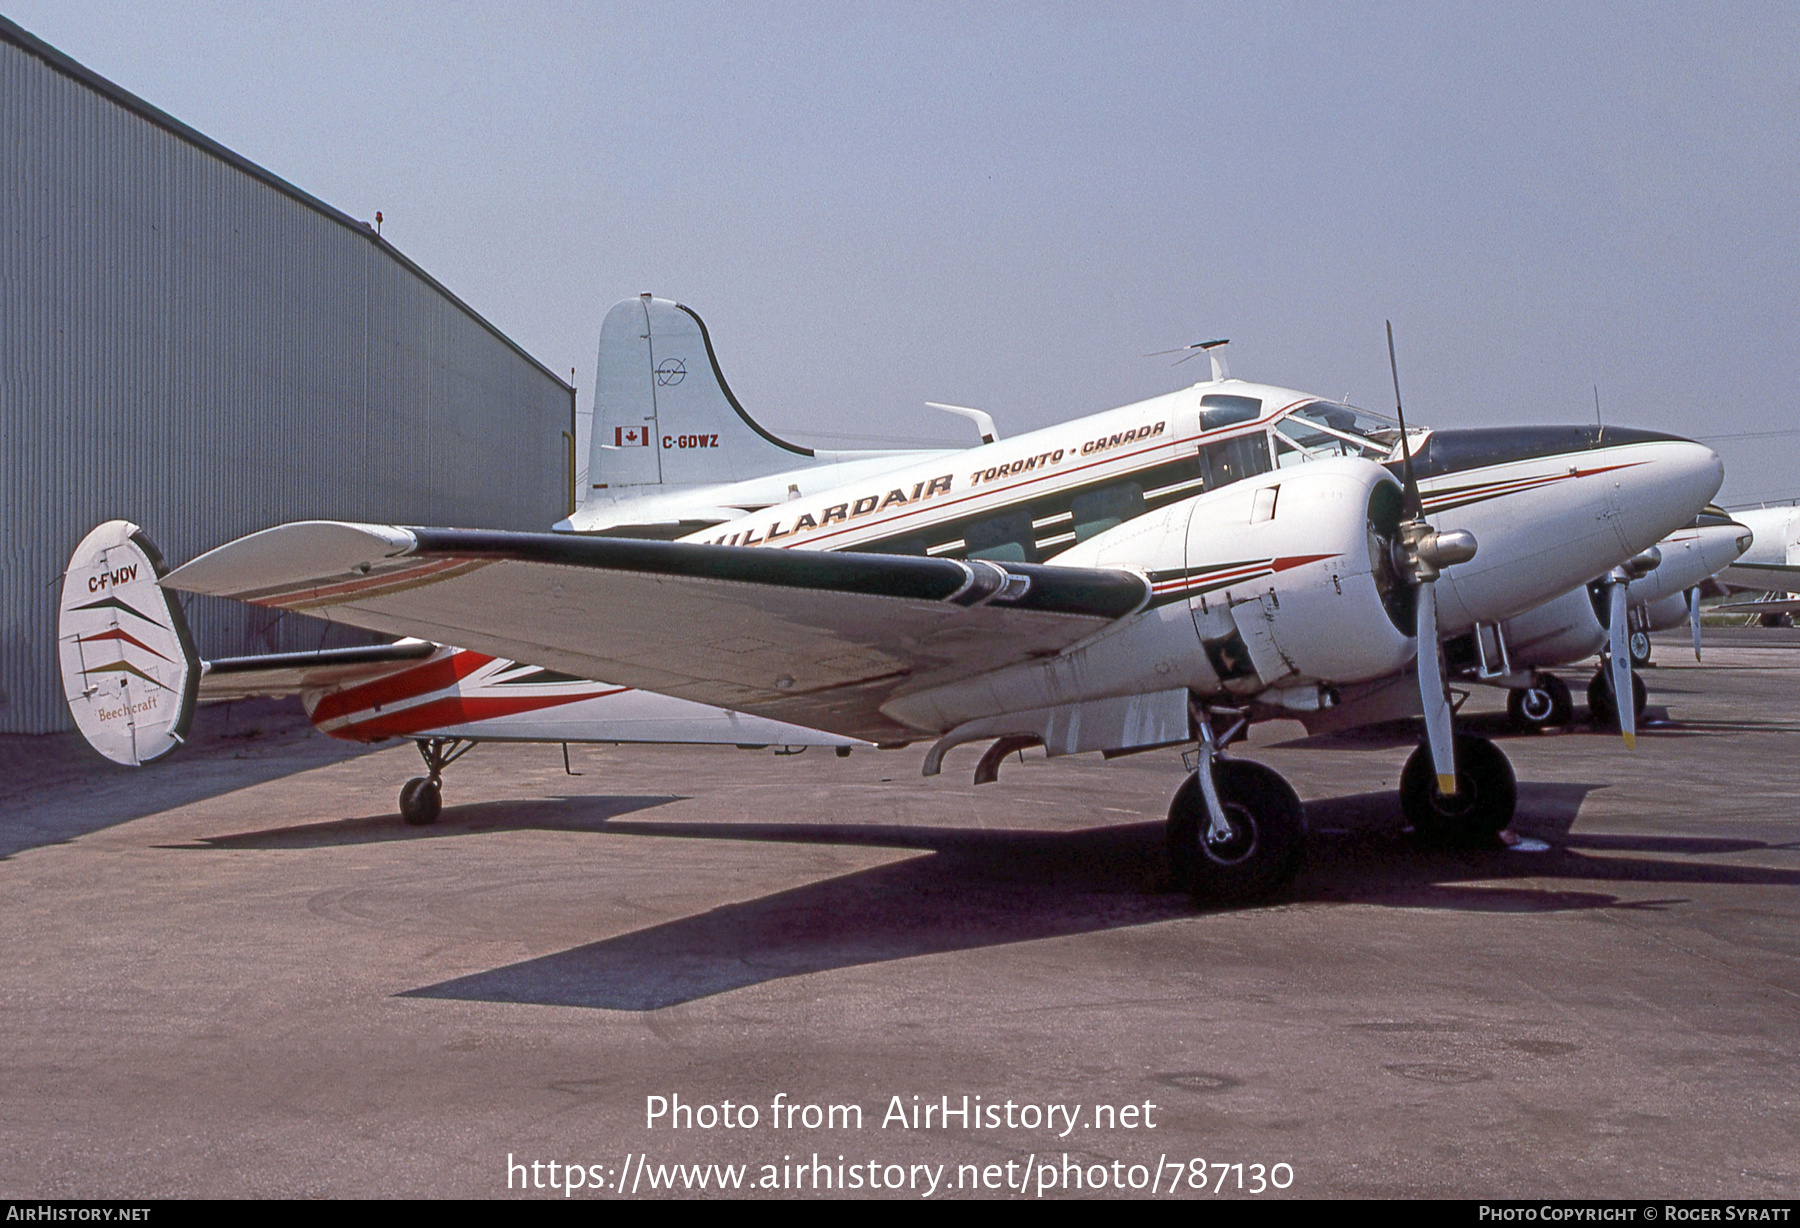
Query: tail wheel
point(420, 801)
point(1487, 794)
point(1544, 703)
point(1600, 699)
point(1261, 853)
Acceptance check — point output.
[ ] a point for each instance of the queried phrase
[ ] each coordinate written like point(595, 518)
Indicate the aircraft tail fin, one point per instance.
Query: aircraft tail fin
point(663, 413)
point(129, 669)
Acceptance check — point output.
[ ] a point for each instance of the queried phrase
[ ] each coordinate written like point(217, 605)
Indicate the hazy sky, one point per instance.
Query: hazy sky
point(873, 206)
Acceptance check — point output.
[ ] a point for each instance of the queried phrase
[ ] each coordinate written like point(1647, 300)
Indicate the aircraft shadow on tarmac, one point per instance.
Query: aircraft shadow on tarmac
point(62, 790)
point(471, 818)
point(981, 888)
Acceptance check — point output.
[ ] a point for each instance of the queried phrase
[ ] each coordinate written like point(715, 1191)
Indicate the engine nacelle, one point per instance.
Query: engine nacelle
point(1665, 613)
point(1559, 631)
point(1281, 581)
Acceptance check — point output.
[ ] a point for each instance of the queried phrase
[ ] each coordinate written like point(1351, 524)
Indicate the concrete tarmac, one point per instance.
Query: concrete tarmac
point(238, 974)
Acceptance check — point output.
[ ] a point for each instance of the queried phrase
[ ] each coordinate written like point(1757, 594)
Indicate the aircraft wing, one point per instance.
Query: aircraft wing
point(817, 639)
point(289, 673)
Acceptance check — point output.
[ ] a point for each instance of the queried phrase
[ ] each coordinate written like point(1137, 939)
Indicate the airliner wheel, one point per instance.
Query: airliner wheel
point(1268, 834)
point(420, 801)
point(1638, 642)
point(1600, 699)
point(1487, 793)
point(1546, 702)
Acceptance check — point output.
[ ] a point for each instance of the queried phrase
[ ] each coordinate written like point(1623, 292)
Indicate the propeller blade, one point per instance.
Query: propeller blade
point(1694, 618)
point(1411, 504)
point(1620, 652)
point(1438, 729)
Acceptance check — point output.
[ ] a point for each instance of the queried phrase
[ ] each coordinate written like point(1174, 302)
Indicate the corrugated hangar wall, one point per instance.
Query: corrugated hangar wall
point(192, 344)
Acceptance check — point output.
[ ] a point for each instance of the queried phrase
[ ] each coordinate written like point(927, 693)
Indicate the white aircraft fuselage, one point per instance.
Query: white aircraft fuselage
point(1550, 507)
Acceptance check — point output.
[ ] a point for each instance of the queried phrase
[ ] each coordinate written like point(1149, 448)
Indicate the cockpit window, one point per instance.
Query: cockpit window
point(1325, 428)
point(1219, 409)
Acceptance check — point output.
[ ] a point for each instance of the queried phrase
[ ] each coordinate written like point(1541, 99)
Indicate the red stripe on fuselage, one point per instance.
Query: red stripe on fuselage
point(453, 710)
point(407, 684)
point(1298, 560)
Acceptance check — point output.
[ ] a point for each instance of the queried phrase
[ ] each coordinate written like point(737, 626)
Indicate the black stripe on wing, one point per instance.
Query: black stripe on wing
point(1024, 586)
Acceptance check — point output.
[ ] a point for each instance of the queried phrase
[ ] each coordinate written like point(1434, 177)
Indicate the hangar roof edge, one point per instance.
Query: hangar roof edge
point(11, 32)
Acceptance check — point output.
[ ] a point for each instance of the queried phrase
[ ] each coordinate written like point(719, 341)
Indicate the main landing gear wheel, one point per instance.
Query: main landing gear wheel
point(1639, 644)
point(1600, 699)
point(1260, 854)
point(1544, 703)
point(420, 801)
point(1487, 793)
point(422, 797)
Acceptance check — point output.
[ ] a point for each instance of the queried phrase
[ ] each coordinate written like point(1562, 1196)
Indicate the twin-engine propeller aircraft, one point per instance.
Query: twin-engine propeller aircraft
point(1202, 577)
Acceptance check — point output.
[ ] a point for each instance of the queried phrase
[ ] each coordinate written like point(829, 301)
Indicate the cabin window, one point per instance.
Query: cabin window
point(1096, 511)
point(1233, 460)
point(1218, 409)
point(1007, 538)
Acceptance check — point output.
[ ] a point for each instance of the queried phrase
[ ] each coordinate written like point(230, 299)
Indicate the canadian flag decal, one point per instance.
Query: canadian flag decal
point(631, 436)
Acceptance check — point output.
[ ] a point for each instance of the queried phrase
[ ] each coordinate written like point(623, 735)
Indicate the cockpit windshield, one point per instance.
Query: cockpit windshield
point(1325, 428)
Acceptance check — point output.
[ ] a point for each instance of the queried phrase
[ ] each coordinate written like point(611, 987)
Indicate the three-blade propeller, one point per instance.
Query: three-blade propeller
point(1421, 554)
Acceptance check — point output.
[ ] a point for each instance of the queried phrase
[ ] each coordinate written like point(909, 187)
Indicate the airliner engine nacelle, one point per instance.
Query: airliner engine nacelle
point(1283, 581)
point(1573, 626)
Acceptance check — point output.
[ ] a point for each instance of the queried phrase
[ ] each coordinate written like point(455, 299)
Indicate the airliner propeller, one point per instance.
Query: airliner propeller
point(1420, 555)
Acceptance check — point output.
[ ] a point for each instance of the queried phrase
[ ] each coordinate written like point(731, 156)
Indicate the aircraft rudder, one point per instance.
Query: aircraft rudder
point(129, 669)
point(664, 414)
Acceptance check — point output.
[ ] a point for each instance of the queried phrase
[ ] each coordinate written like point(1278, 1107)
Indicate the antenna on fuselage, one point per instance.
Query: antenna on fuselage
point(1198, 348)
point(983, 421)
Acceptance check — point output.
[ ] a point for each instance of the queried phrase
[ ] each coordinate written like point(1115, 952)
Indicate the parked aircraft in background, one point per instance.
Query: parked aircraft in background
point(1660, 590)
point(1771, 565)
point(1221, 554)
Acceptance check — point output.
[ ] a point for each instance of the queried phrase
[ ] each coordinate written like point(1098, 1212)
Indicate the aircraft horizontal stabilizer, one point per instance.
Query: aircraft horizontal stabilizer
point(817, 639)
